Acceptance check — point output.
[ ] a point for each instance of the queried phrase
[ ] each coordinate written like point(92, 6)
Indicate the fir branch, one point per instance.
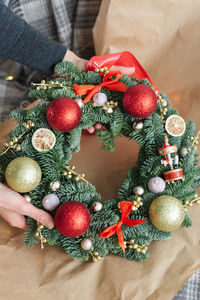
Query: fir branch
point(116, 122)
point(30, 238)
point(107, 139)
point(66, 69)
point(187, 222)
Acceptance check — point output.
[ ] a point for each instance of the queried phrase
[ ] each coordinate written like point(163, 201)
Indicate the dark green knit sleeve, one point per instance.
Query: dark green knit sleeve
point(22, 43)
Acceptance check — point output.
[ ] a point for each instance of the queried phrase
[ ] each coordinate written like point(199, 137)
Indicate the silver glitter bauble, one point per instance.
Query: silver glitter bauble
point(138, 125)
point(27, 197)
point(98, 206)
point(138, 190)
point(86, 244)
point(55, 185)
point(184, 151)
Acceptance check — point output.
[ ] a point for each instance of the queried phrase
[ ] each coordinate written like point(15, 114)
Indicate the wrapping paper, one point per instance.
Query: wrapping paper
point(51, 273)
point(164, 36)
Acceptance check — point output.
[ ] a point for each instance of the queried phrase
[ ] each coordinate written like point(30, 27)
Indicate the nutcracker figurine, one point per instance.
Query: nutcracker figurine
point(166, 151)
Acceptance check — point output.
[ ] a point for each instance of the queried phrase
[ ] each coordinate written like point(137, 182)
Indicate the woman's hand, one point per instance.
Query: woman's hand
point(13, 208)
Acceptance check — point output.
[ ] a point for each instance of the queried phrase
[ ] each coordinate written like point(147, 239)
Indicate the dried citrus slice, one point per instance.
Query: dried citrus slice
point(175, 125)
point(43, 139)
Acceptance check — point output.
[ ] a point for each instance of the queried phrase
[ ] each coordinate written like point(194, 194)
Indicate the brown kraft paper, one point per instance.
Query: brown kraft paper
point(51, 273)
point(163, 35)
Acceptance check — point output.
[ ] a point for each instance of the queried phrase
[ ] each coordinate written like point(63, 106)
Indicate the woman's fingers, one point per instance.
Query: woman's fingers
point(98, 126)
point(13, 201)
point(37, 214)
point(125, 70)
point(82, 63)
point(13, 219)
point(72, 57)
point(91, 130)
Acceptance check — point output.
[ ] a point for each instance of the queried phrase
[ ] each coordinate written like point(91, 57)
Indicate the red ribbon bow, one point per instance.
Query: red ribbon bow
point(125, 208)
point(108, 82)
point(123, 59)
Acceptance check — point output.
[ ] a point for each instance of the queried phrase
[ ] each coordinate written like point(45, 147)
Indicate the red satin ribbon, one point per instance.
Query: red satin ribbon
point(124, 59)
point(125, 208)
point(108, 82)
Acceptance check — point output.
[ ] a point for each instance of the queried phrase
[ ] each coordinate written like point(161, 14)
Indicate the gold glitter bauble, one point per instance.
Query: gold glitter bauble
point(23, 174)
point(166, 213)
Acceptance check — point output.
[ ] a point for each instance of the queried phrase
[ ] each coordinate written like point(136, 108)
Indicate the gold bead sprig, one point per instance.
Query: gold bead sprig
point(138, 248)
point(137, 203)
point(102, 70)
point(14, 143)
point(189, 203)
point(195, 139)
point(163, 107)
point(28, 125)
point(39, 235)
point(108, 107)
point(95, 256)
point(69, 173)
point(52, 84)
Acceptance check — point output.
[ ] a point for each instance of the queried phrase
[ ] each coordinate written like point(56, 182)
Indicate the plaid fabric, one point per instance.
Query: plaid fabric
point(191, 289)
point(69, 22)
point(66, 21)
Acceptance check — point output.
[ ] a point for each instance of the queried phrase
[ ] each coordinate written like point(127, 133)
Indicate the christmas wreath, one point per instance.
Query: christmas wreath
point(153, 199)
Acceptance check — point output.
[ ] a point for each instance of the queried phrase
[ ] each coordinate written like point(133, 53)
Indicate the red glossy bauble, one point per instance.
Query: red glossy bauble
point(63, 114)
point(140, 101)
point(72, 219)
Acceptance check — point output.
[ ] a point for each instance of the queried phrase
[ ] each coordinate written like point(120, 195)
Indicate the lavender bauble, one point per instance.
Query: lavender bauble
point(156, 185)
point(100, 99)
point(50, 202)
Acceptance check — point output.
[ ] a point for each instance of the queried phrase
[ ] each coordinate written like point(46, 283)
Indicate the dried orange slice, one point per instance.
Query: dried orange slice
point(175, 125)
point(43, 139)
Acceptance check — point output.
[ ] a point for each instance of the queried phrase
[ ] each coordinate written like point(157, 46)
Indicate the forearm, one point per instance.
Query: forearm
point(22, 43)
